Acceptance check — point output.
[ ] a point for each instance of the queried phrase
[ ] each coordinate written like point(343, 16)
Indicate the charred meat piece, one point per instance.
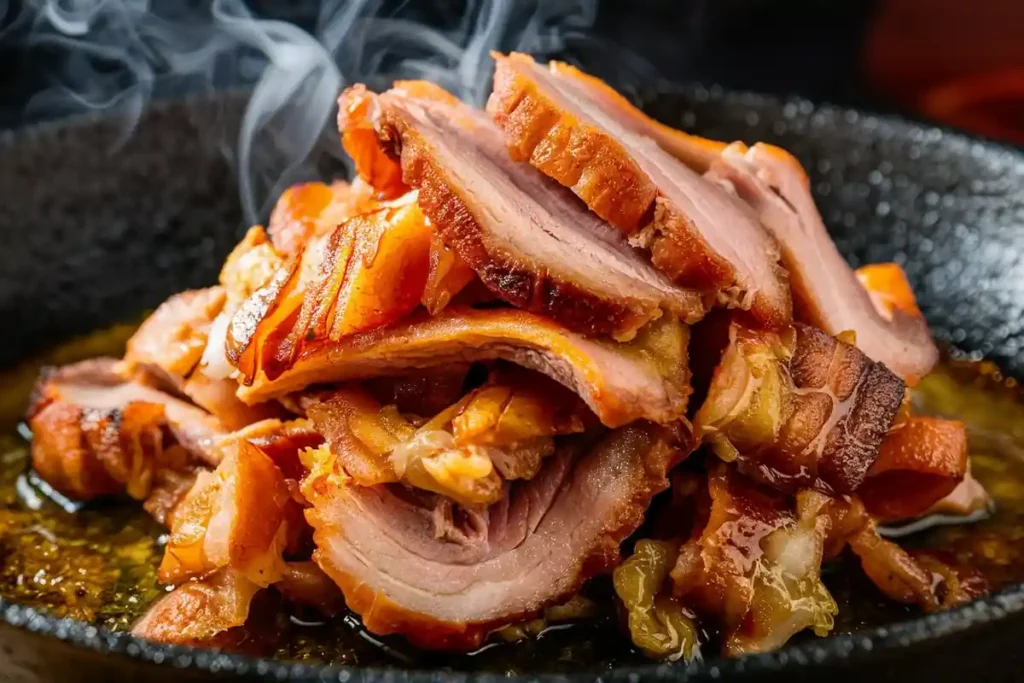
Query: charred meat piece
point(646, 378)
point(879, 309)
point(96, 434)
point(445, 576)
point(697, 233)
point(527, 239)
point(171, 341)
point(167, 348)
point(799, 410)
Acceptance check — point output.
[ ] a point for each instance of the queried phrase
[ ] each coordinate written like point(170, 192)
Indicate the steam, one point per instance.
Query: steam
point(118, 55)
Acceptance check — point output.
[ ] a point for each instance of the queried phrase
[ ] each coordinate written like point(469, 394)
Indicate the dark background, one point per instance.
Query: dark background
point(959, 62)
point(807, 47)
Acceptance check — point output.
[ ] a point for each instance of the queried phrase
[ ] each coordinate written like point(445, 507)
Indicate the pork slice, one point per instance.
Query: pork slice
point(643, 379)
point(528, 240)
point(697, 233)
point(533, 548)
point(97, 434)
point(826, 291)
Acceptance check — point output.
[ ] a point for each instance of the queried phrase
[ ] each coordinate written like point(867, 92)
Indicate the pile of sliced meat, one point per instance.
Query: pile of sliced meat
point(443, 395)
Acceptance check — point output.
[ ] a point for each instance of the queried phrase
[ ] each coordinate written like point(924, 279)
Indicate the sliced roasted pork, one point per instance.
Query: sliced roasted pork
point(799, 410)
point(528, 240)
point(446, 576)
point(646, 378)
point(697, 233)
point(879, 309)
point(95, 433)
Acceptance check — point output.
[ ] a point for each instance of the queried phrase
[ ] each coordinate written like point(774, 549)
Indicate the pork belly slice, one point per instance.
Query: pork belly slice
point(799, 410)
point(445, 577)
point(528, 240)
point(646, 378)
point(826, 292)
point(96, 434)
point(697, 233)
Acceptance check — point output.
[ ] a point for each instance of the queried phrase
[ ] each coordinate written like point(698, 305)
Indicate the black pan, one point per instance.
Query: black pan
point(90, 236)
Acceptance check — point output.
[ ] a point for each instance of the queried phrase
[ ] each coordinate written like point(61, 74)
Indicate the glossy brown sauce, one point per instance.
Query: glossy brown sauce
point(98, 563)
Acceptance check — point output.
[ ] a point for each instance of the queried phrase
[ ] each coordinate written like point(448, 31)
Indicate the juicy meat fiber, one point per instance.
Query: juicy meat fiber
point(698, 234)
point(534, 547)
point(528, 240)
point(644, 379)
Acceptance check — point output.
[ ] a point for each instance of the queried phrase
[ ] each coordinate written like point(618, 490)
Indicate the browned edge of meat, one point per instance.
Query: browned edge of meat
point(527, 240)
point(696, 233)
point(647, 378)
point(448, 596)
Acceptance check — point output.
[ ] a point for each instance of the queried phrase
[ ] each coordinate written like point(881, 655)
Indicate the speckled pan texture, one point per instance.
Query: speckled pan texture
point(91, 233)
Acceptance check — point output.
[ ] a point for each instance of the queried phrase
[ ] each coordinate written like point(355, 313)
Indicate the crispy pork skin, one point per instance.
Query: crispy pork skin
point(799, 410)
point(445, 577)
point(528, 240)
point(96, 434)
point(643, 379)
point(697, 233)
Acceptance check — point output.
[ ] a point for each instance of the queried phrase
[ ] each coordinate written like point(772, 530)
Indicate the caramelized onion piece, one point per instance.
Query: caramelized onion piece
point(800, 411)
point(503, 427)
point(919, 463)
point(658, 624)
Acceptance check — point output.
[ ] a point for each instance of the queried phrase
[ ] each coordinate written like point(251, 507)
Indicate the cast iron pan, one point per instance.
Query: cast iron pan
point(90, 236)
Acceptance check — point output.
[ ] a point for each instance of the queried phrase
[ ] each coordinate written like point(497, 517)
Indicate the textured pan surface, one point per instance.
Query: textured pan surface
point(90, 235)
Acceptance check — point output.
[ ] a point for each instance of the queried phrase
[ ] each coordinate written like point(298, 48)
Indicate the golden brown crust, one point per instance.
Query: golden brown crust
point(584, 158)
point(602, 172)
point(523, 285)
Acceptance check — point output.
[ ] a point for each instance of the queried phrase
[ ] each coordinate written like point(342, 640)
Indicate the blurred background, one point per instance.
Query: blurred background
point(959, 62)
